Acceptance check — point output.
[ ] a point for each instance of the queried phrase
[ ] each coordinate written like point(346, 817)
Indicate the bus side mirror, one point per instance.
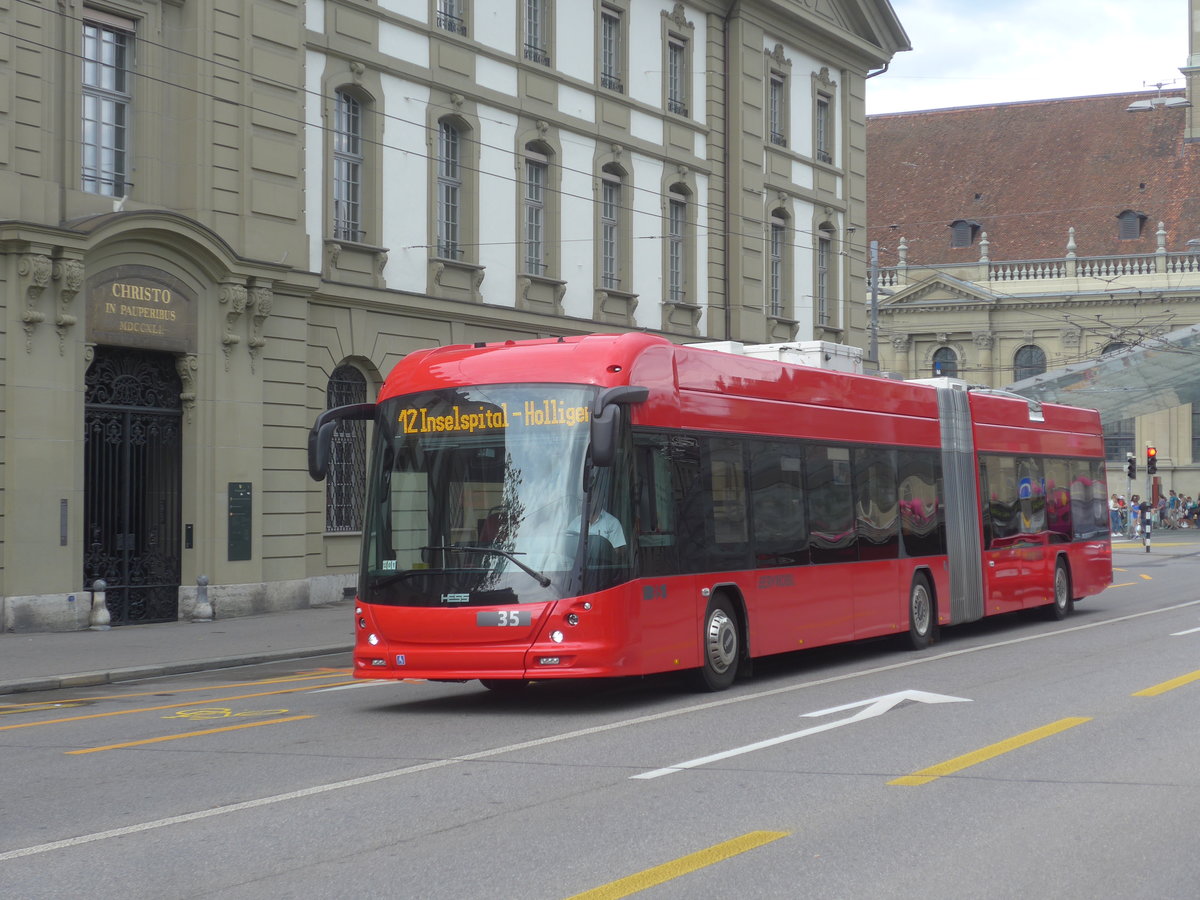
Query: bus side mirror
point(320, 436)
point(606, 423)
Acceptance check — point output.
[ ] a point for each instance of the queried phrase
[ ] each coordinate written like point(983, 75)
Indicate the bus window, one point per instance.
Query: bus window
point(1057, 474)
point(1003, 499)
point(832, 536)
point(922, 514)
point(777, 504)
point(726, 492)
point(875, 508)
point(657, 538)
point(1032, 492)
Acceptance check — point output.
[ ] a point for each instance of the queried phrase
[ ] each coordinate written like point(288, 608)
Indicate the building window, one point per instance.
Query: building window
point(452, 16)
point(1118, 438)
point(676, 245)
point(537, 32)
point(963, 233)
point(677, 76)
point(449, 191)
point(1195, 433)
point(1028, 361)
point(945, 363)
point(777, 109)
point(823, 131)
point(107, 105)
point(536, 172)
point(347, 168)
point(778, 287)
point(1129, 225)
point(610, 230)
point(612, 69)
point(824, 260)
point(344, 485)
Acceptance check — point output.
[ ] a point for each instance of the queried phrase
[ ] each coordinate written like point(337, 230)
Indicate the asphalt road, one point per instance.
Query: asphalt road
point(1018, 756)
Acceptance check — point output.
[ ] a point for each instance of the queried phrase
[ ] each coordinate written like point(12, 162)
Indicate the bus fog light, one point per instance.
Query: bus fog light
point(557, 636)
point(362, 623)
point(372, 639)
point(572, 619)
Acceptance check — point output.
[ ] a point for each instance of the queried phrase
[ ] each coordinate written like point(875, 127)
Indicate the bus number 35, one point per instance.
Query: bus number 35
point(504, 618)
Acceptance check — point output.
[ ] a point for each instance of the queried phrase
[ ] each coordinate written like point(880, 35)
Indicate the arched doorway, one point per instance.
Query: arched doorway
point(132, 483)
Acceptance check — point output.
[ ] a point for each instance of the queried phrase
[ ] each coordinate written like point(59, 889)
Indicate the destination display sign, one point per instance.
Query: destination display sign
point(543, 413)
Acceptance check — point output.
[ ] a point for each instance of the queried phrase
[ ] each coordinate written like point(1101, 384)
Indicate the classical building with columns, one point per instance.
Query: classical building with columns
point(222, 216)
point(1018, 238)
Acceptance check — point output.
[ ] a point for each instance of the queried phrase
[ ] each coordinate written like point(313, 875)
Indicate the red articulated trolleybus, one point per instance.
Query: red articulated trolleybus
point(619, 505)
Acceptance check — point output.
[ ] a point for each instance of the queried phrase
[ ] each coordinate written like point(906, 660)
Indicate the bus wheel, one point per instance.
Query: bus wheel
point(1063, 603)
point(920, 613)
point(504, 685)
point(722, 647)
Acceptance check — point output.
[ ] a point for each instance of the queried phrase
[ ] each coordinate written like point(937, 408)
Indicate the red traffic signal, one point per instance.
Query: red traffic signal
point(1151, 460)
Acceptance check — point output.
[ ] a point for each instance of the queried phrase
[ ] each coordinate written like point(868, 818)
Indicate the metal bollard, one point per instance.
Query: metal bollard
point(202, 611)
point(99, 618)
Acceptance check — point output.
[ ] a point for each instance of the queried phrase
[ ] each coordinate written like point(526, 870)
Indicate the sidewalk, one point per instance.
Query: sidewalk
point(45, 661)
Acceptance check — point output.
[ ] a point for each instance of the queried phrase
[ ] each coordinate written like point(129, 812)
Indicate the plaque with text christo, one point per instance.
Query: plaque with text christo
point(136, 306)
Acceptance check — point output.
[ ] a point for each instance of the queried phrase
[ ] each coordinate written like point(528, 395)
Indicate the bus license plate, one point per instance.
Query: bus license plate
point(503, 618)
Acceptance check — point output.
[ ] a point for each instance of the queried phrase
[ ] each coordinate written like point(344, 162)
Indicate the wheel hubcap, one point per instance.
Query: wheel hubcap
point(721, 640)
point(920, 610)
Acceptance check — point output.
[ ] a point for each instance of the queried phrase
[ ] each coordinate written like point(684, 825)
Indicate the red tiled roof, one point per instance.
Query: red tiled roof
point(1026, 172)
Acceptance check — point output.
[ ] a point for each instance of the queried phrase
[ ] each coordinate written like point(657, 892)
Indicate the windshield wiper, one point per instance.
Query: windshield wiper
point(511, 557)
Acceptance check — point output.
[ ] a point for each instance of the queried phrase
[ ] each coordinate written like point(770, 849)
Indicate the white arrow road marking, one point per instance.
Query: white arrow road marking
point(876, 706)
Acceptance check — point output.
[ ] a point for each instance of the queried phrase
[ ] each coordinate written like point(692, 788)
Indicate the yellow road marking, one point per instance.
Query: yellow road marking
point(1168, 685)
point(950, 766)
point(130, 712)
point(1146, 577)
point(314, 674)
point(632, 884)
point(190, 734)
point(1124, 584)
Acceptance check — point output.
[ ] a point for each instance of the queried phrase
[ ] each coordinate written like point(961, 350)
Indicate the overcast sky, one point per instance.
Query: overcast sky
point(997, 51)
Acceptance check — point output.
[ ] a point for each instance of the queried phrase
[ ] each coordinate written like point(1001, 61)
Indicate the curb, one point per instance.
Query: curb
point(133, 673)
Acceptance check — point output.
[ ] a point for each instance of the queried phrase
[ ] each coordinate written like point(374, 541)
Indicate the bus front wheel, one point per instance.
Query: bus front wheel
point(920, 613)
point(722, 646)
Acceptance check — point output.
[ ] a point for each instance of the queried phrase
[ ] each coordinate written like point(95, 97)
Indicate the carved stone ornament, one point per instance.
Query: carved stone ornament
point(69, 275)
point(187, 366)
point(677, 16)
point(777, 56)
point(234, 297)
point(34, 271)
point(261, 299)
point(984, 340)
point(901, 343)
point(1071, 337)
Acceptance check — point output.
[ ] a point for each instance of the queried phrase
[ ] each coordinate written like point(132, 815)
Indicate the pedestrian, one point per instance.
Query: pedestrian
point(1114, 515)
point(1135, 514)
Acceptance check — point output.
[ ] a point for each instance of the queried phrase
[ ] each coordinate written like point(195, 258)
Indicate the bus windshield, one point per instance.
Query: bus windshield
point(477, 494)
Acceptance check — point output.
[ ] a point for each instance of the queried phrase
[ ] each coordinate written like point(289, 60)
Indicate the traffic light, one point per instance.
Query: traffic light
point(1131, 466)
point(1151, 460)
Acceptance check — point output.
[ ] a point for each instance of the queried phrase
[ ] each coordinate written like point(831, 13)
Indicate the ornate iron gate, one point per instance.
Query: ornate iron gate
point(132, 483)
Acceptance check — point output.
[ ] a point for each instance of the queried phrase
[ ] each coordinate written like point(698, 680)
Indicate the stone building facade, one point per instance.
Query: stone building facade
point(221, 216)
point(1018, 238)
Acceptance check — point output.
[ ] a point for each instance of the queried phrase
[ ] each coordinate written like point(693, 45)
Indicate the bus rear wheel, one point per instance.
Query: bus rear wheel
point(920, 613)
point(1063, 604)
point(722, 647)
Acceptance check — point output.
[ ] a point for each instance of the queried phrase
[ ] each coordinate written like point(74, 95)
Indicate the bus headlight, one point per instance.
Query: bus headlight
point(557, 637)
point(572, 619)
point(372, 639)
